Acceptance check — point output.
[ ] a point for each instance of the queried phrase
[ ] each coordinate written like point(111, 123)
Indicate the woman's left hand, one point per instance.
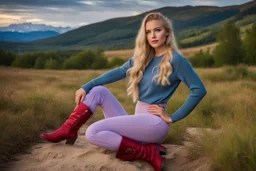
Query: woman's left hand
point(158, 110)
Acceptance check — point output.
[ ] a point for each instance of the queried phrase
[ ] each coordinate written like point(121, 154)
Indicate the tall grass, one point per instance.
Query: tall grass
point(33, 101)
point(231, 105)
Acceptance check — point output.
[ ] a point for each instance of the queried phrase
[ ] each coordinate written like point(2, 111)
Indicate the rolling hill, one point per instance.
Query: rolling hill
point(193, 25)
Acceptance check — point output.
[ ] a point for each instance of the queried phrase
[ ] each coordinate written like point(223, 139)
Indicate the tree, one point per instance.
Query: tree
point(99, 61)
point(229, 50)
point(6, 58)
point(51, 64)
point(40, 62)
point(26, 60)
point(249, 45)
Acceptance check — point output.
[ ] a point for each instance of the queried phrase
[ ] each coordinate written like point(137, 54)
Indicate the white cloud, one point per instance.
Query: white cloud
point(56, 23)
point(35, 20)
point(135, 13)
point(92, 3)
point(203, 2)
point(7, 19)
point(9, 16)
point(147, 2)
point(53, 8)
point(82, 24)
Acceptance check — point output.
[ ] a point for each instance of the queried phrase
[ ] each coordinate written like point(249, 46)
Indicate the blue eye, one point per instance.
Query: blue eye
point(158, 30)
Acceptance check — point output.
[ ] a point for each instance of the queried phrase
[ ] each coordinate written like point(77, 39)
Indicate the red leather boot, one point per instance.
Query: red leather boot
point(131, 150)
point(68, 131)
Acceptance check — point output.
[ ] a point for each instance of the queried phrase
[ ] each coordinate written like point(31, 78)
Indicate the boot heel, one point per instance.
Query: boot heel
point(162, 150)
point(71, 141)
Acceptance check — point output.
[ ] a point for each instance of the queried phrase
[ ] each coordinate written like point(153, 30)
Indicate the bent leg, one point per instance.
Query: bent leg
point(145, 128)
point(101, 96)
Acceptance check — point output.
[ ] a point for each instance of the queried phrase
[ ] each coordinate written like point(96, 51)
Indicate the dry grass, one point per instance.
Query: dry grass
point(32, 101)
point(187, 52)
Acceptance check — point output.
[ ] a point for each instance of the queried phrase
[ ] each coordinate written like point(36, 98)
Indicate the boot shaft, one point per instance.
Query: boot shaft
point(131, 150)
point(69, 129)
point(78, 117)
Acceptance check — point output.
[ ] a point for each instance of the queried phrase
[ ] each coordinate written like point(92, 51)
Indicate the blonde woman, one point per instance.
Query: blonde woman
point(155, 71)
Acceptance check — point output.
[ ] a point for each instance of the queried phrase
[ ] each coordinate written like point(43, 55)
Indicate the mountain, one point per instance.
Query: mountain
point(193, 25)
point(24, 37)
point(29, 27)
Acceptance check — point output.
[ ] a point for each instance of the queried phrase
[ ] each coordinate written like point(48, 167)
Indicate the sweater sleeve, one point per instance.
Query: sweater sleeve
point(109, 76)
point(187, 75)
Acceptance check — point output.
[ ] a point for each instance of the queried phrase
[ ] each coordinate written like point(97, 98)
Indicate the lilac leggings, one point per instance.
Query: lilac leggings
point(107, 133)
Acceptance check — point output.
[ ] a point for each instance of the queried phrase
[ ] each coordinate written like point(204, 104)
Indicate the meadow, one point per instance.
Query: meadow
point(188, 52)
point(33, 101)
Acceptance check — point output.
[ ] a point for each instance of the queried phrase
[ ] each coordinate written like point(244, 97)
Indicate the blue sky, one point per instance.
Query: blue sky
point(75, 13)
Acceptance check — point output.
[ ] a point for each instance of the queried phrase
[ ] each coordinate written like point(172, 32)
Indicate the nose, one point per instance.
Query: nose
point(153, 34)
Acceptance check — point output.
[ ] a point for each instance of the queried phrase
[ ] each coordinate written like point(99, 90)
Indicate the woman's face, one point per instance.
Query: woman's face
point(156, 33)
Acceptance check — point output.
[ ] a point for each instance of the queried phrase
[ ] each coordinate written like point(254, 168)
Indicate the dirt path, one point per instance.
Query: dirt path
point(85, 156)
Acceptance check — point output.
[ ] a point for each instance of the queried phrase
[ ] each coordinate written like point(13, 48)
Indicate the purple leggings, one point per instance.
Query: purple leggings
point(107, 133)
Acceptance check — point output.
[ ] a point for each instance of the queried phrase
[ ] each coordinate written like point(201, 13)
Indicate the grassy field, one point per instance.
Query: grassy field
point(187, 52)
point(32, 101)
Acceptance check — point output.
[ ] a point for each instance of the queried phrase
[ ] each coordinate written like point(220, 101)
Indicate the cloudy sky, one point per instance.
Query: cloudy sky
point(82, 12)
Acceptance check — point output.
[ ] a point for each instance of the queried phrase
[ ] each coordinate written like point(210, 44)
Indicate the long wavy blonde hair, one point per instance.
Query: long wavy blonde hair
point(143, 54)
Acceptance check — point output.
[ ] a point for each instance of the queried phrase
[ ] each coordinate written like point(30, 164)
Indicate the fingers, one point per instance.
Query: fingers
point(153, 105)
point(82, 98)
point(77, 99)
point(79, 96)
point(155, 109)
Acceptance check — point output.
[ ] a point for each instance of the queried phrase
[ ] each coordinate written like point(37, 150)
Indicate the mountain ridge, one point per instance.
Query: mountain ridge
point(29, 27)
point(26, 36)
point(120, 33)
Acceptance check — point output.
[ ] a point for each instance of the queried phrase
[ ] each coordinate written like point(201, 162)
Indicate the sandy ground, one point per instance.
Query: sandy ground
point(83, 156)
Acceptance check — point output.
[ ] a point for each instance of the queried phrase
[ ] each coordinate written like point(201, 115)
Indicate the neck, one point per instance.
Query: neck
point(159, 51)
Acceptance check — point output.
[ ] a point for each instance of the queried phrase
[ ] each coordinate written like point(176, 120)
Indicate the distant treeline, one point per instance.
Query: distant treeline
point(87, 59)
point(231, 50)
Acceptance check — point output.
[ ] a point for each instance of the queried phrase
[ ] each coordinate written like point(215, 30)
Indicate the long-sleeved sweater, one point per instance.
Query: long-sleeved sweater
point(153, 93)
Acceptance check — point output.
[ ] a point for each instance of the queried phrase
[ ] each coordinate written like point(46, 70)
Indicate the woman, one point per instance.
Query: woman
point(155, 71)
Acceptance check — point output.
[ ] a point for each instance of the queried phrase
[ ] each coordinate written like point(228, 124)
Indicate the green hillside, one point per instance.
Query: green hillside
point(192, 25)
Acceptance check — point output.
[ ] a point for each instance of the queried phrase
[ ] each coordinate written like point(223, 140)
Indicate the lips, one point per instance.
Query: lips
point(154, 41)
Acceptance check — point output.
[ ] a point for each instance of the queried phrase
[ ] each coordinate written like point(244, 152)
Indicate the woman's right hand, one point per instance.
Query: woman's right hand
point(80, 95)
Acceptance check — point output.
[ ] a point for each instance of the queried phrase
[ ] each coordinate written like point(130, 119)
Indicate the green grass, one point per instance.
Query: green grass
point(195, 38)
point(246, 20)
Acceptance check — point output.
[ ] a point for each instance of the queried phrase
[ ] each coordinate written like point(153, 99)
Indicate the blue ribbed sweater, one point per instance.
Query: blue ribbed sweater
point(152, 93)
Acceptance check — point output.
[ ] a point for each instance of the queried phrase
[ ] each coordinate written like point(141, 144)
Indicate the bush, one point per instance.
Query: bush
point(115, 62)
point(202, 59)
point(87, 59)
point(238, 72)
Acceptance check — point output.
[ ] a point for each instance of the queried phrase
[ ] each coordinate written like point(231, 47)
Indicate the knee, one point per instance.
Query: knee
point(99, 90)
point(90, 132)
